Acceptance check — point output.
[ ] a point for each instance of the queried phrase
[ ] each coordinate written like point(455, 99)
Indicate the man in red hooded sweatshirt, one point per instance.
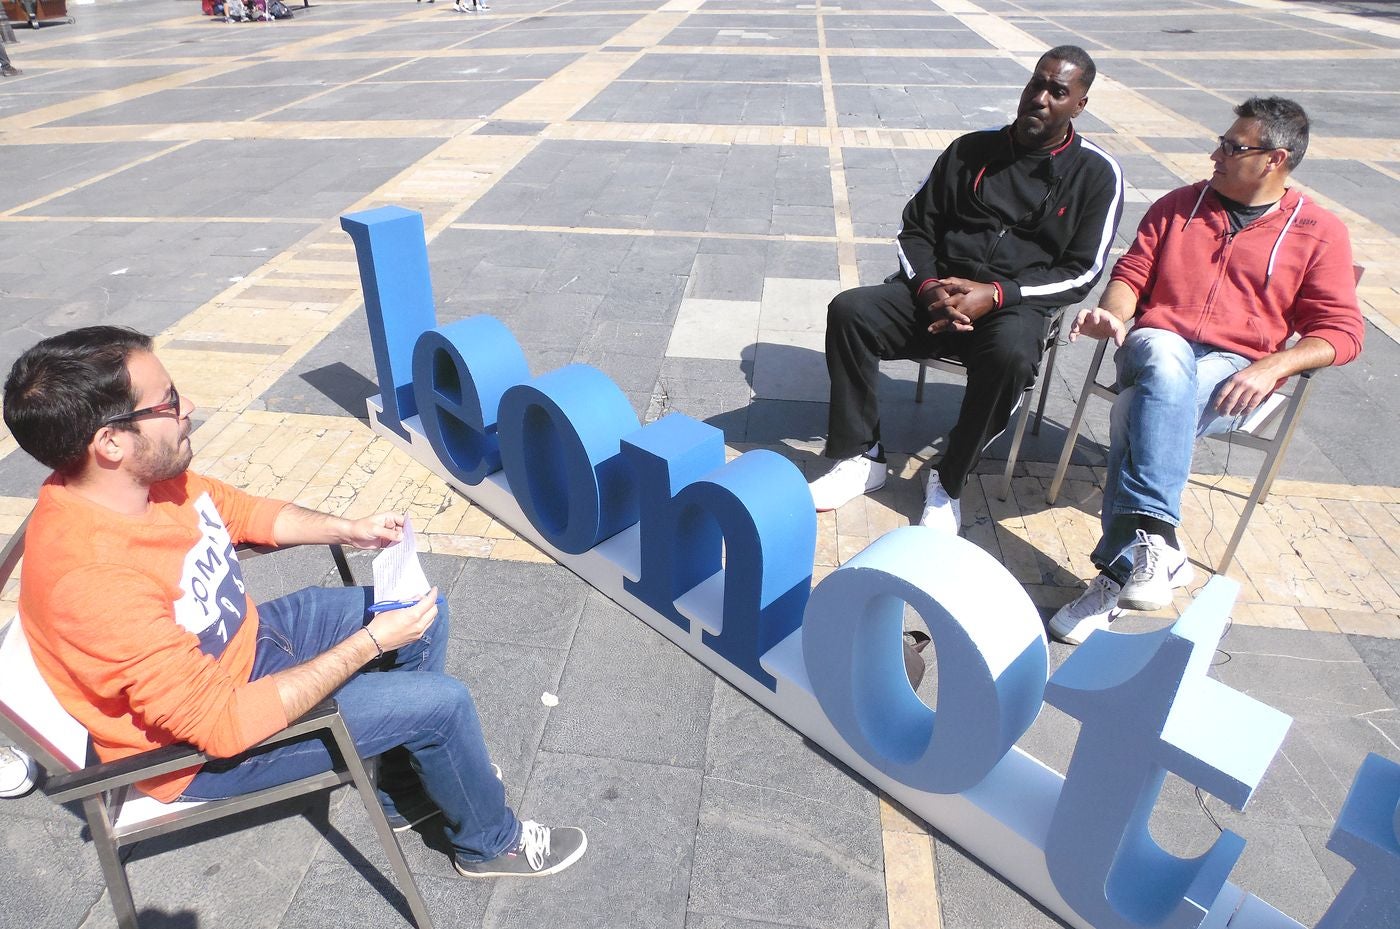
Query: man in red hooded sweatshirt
point(1221, 274)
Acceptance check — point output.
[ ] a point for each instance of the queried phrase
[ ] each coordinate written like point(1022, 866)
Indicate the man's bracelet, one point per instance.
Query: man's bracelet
point(997, 296)
point(377, 646)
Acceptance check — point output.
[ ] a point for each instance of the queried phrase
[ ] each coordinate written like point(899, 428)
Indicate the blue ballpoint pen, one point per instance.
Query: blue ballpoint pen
point(388, 605)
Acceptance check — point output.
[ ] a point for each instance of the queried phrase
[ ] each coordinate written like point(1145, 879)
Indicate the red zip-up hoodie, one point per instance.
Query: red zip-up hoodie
point(1288, 271)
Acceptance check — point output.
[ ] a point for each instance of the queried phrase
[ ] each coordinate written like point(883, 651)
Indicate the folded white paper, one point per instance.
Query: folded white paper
point(397, 573)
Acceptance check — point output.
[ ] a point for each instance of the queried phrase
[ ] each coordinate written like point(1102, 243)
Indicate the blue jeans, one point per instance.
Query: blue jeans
point(1166, 402)
point(404, 699)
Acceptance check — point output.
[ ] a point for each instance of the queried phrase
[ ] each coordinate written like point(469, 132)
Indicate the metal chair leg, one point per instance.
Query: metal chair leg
point(1264, 482)
point(343, 566)
point(365, 785)
point(1022, 414)
point(109, 857)
point(919, 390)
point(1072, 435)
point(1048, 373)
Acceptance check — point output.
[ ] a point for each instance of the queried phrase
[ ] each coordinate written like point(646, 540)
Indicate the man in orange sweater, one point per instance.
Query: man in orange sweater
point(1221, 274)
point(135, 609)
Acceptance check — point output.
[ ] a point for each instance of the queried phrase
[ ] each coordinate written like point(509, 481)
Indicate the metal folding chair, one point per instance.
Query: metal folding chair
point(1048, 349)
point(117, 815)
point(1269, 429)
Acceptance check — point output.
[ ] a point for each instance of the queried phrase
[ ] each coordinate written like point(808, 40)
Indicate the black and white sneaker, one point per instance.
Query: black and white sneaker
point(539, 851)
point(1157, 570)
point(1092, 610)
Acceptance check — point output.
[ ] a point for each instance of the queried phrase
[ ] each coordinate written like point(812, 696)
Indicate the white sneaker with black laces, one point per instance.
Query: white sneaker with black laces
point(17, 772)
point(1094, 609)
point(540, 850)
point(847, 479)
point(1157, 569)
point(941, 511)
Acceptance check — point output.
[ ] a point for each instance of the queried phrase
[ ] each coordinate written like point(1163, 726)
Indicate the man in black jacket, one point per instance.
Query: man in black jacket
point(1011, 224)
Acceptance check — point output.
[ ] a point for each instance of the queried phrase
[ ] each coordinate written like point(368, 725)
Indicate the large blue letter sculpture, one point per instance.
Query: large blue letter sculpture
point(990, 645)
point(718, 557)
point(1101, 856)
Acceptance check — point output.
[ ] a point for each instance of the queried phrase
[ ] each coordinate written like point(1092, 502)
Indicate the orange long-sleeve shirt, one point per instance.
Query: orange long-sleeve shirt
point(141, 624)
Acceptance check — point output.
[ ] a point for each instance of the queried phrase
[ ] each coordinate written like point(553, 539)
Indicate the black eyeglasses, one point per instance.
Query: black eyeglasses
point(172, 404)
point(1231, 149)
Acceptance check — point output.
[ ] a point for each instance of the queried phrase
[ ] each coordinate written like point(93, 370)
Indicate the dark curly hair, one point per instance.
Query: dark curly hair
point(59, 392)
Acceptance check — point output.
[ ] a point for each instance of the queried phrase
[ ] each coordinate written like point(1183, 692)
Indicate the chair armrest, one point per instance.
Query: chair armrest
point(100, 778)
point(248, 551)
point(12, 552)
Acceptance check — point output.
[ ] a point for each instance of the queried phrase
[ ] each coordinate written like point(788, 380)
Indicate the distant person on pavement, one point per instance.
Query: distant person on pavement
point(7, 69)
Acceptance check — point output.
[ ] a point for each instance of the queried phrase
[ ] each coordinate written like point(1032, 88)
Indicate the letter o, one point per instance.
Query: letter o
point(992, 658)
point(560, 445)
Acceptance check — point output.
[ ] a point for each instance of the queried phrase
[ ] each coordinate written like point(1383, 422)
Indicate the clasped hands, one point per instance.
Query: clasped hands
point(955, 303)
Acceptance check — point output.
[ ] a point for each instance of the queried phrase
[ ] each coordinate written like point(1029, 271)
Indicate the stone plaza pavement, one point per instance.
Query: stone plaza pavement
point(672, 191)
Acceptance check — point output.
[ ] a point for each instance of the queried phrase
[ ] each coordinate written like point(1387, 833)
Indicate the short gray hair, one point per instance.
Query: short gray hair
point(1282, 124)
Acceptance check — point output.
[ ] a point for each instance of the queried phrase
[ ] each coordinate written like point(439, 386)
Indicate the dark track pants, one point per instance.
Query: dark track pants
point(867, 325)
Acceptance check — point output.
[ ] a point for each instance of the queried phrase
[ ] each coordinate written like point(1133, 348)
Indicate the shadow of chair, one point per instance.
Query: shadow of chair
point(1050, 345)
point(117, 815)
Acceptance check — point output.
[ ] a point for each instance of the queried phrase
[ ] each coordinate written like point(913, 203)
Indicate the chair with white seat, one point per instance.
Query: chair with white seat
point(1269, 428)
point(117, 815)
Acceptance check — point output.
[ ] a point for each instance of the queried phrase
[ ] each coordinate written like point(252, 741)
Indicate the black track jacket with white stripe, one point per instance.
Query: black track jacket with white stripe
point(1039, 224)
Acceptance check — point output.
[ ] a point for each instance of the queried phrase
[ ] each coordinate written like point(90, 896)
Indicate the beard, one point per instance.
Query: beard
point(154, 463)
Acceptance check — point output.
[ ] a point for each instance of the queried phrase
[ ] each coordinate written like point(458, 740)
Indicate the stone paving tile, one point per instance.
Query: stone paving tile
point(986, 73)
point(16, 103)
point(602, 713)
point(265, 178)
point(657, 66)
point(92, 79)
point(190, 104)
point(641, 816)
point(708, 31)
point(742, 104)
point(323, 72)
point(476, 68)
point(369, 101)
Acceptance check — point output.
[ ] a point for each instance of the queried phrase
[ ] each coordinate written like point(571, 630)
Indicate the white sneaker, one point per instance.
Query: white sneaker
point(847, 479)
point(17, 773)
point(1094, 609)
point(941, 511)
point(1157, 568)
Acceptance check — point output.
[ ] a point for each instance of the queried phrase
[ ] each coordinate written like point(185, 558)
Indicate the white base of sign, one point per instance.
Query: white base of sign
point(1003, 821)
